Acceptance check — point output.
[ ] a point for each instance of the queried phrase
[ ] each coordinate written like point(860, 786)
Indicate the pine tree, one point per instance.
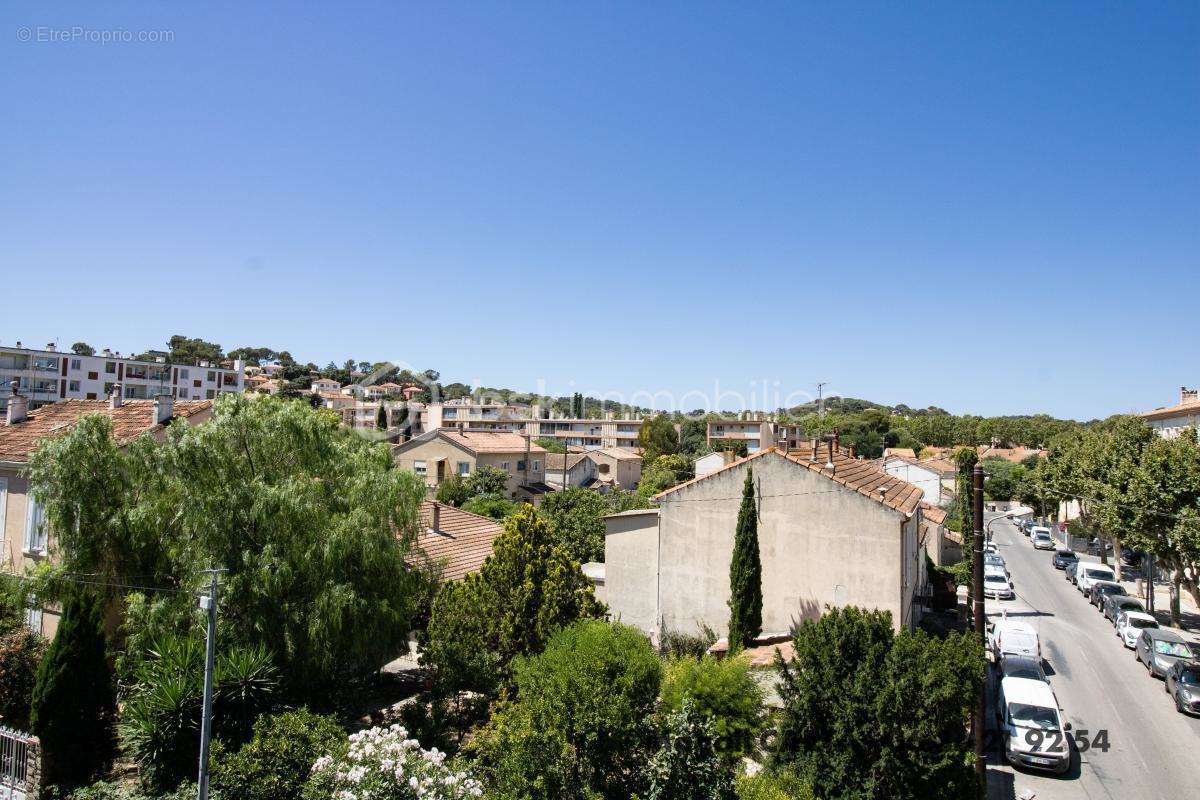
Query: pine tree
point(74, 701)
point(381, 421)
point(745, 573)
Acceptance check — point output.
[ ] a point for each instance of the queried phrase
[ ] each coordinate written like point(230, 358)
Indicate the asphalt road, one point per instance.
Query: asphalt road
point(1155, 751)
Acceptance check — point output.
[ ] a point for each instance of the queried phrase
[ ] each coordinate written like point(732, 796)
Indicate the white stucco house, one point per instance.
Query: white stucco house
point(833, 531)
point(923, 476)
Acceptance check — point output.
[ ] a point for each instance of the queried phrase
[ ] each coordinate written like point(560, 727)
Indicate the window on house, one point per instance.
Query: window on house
point(520, 466)
point(506, 466)
point(76, 364)
point(36, 534)
point(183, 393)
point(183, 374)
point(212, 376)
point(420, 468)
point(91, 395)
point(537, 466)
point(93, 376)
point(110, 367)
point(464, 469)
point(73, 386)
point(210, 394)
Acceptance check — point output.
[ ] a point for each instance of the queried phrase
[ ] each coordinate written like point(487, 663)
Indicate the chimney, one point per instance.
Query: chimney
point(829, 465)
point(114, 399)
point(50, 347)
point(812, 456)
point(18, 405)
point(852, 451)
point(835, 438)
point(462, 429)
point(1186, 395)
point(163, 408)
point(437, 516)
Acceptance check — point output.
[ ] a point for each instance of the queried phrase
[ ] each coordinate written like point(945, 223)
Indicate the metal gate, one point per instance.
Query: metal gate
point(17, 752)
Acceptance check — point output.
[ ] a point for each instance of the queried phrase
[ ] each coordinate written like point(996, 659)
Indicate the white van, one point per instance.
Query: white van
point(1009, 637)
point(1035, 735)
point(1042, 540)
point(1088, 572)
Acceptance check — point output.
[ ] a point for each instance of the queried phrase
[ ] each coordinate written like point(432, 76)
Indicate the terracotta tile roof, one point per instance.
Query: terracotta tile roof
point(904, 452)
point(554, 461)
point(460, 545)
point(490, 441)
point(1014, 454)
point(933, 513)
point(132, 419)
point(1166, 412)
point(944, 466)
point(619, 453)
point(864, 477)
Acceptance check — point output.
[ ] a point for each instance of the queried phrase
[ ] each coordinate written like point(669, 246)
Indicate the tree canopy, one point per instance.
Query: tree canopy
point(311, 522)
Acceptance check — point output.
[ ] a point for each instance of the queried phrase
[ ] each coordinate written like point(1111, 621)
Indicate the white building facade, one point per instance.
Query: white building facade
point(47, 376)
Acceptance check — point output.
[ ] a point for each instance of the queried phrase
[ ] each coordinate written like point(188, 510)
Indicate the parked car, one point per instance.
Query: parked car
point(1086, 573)
point(1130, 625)
point(1034, 734)
point(1042, 540)
point(1159, 648)
point(989, 546)
point(1064, 558)
point(1009, 637)
point(1015, 666)
point(1101, 589)
point(1027, 526)
point(996, 584)
point(994, 560)
point(1183, 684)
point(1114, 604)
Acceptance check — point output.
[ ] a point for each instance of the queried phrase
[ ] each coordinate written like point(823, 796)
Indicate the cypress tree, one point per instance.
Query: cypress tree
point(745, 573)
point(73, 698)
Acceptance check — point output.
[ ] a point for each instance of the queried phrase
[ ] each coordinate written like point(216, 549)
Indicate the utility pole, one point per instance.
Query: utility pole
point(980, 631)
point(209, 604)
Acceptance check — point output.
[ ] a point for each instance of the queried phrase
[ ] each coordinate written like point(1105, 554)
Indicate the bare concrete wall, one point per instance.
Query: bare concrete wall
point(820, 543)
point(631, 567)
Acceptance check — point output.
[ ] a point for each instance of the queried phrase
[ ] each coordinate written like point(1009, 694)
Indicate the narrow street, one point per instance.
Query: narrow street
point(1100, 685)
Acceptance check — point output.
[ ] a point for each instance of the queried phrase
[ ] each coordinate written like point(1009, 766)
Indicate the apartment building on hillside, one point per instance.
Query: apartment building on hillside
point(47, 376)
point(534, 421)
point(759, 431)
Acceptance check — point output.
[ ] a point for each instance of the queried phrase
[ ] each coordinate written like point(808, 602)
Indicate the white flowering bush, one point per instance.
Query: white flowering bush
point(385, 764)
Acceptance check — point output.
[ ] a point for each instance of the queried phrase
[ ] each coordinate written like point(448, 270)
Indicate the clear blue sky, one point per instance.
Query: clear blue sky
point(623, 196)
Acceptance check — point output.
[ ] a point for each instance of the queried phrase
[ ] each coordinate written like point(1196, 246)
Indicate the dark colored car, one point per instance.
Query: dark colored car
point(1160, 648)
point(1019, 666)
point(1183, 684)
point(1065, 557)
point(1094, 547)
point(1114, 604)
point(1102, 589)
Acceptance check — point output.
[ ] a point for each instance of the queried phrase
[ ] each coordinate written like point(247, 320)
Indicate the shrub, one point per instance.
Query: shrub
point(773, 785)
point(161, 720)
point(871, 713)
point(275, 763)
point(74, 700)
point(490, 505)
point(576, 516)
point(676, 644)
point(453, 491)
point(487, 480)
point(724, 692)
point(384, 764)
point(21, 652)
point(688, 766)
point(579, 725)
point(527, 589)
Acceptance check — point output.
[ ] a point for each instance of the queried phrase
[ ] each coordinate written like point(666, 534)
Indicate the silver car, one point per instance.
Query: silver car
point(1159, 648)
